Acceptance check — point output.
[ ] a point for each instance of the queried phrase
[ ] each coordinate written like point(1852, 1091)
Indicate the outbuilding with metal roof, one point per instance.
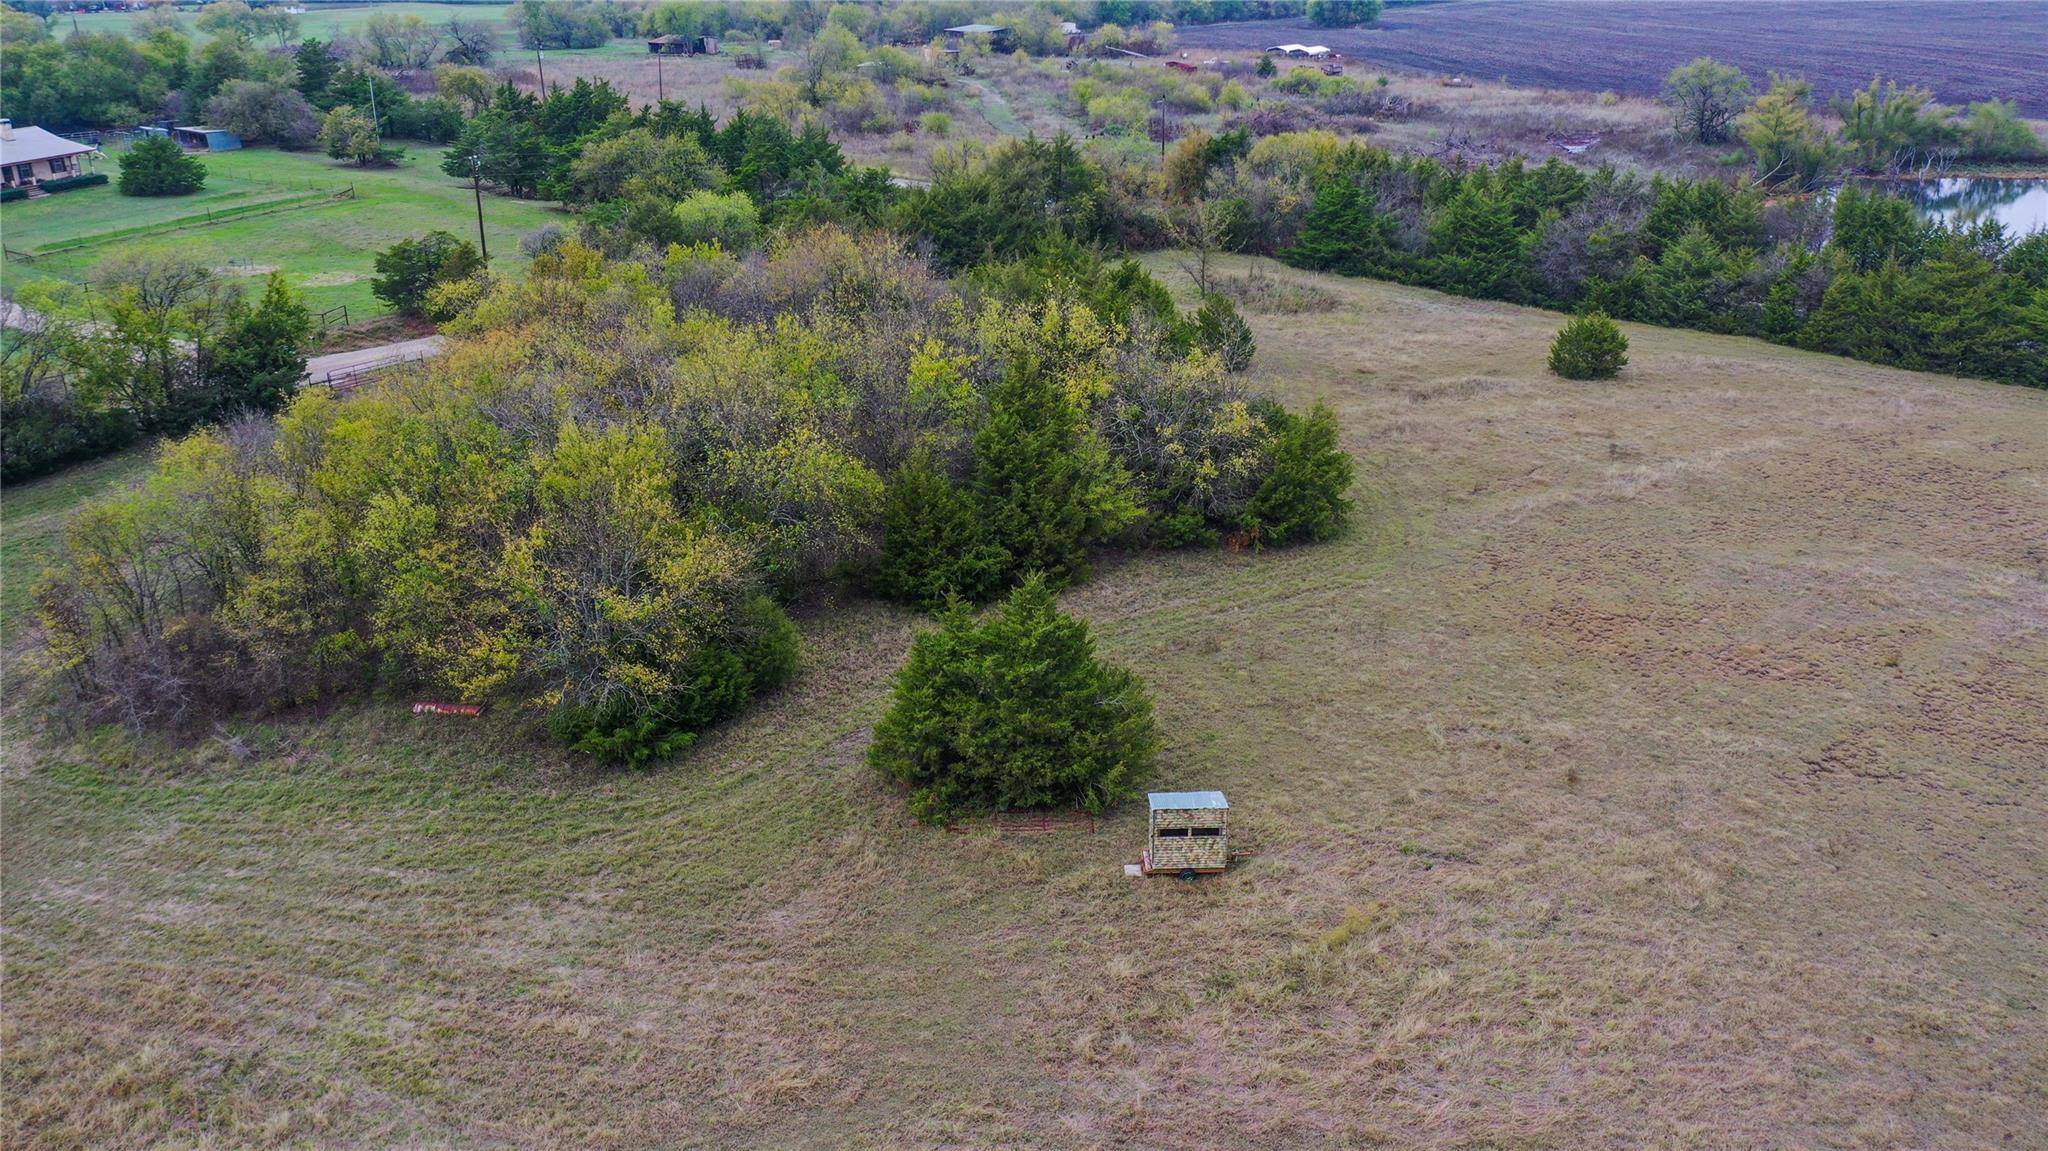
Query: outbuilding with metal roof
point(1188, 832)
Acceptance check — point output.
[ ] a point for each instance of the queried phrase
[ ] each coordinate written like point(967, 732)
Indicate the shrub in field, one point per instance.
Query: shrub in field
point(1994, 131)
point(935, 124)
point(1014, 712)
point(1589, 347)
point(543, 240)
point(156, 166)
point(349, 135)
point(1304, 497)
point(408, 270)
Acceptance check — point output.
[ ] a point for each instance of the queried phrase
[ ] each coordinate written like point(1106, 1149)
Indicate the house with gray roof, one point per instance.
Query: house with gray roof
point(30, 155)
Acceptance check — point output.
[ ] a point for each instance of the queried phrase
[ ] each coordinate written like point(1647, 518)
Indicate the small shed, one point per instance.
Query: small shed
point(1189, 832)
point(998, 36)
point(206, 139)
point(674, 45)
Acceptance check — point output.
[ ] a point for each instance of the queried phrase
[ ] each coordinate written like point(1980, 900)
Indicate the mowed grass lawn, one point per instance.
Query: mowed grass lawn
point(263, 209)
point(1656, 763)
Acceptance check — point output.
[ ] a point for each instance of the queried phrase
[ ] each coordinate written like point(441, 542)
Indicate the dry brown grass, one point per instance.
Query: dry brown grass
point(1658, 764)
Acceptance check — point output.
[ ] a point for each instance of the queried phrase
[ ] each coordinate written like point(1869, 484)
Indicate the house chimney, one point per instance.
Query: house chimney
point(6, 129)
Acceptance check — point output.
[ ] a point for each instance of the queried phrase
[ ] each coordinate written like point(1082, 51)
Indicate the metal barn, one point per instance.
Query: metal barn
point(1189, 832)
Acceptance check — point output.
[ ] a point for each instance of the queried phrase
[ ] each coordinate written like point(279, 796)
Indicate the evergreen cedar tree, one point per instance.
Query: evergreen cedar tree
point(1041, 483)
point(1589, 347)
point(259, 365)
point(156, 166)
point(409, 269)
point(935, 545)
point(1014, 712)
point(1303, 499)
point(1219, 329)
point(1341, 233)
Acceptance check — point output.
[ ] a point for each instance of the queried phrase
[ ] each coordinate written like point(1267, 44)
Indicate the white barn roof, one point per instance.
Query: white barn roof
point(33, 143)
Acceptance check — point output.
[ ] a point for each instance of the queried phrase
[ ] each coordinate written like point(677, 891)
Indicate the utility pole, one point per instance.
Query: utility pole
point(1162, 127)
point(540, 61)
point(476, 184)
point(376, 125)
point(660, 89)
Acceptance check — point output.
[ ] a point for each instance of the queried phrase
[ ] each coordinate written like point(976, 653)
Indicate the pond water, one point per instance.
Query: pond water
point(2020, 204)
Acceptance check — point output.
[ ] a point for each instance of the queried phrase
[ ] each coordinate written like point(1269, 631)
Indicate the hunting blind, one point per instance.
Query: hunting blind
point(1189, 832)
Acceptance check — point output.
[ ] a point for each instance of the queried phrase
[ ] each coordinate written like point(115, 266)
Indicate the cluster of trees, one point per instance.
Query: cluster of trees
point(160, 346)
point(1883, 128)
point(241, 78)
point(1861, 275)
point(1034, 25)
point(665, 173)
point(599, 498)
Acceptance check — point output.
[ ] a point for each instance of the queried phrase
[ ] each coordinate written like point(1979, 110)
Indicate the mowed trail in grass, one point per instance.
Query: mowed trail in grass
point(263, 209)
point(1657, 763)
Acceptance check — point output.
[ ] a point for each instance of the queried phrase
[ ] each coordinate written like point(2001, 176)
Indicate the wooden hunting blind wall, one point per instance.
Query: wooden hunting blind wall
point(1189, 831)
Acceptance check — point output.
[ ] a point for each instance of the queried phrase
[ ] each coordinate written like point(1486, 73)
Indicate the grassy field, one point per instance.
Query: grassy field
point(319, 221)
point(1656, 764)
point(322, 21)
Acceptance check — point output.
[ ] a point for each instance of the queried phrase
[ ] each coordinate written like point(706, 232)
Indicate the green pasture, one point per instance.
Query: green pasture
point(324, 21)
point(318, 221)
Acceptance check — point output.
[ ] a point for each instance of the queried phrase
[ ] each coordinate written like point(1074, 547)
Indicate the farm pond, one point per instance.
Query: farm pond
point(2021, 204)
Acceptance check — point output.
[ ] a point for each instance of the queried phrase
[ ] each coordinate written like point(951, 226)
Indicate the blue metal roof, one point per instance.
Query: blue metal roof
point(1186, 800)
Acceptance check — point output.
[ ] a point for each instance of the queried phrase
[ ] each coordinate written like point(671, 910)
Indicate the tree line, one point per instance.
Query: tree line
point(1857, 273)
